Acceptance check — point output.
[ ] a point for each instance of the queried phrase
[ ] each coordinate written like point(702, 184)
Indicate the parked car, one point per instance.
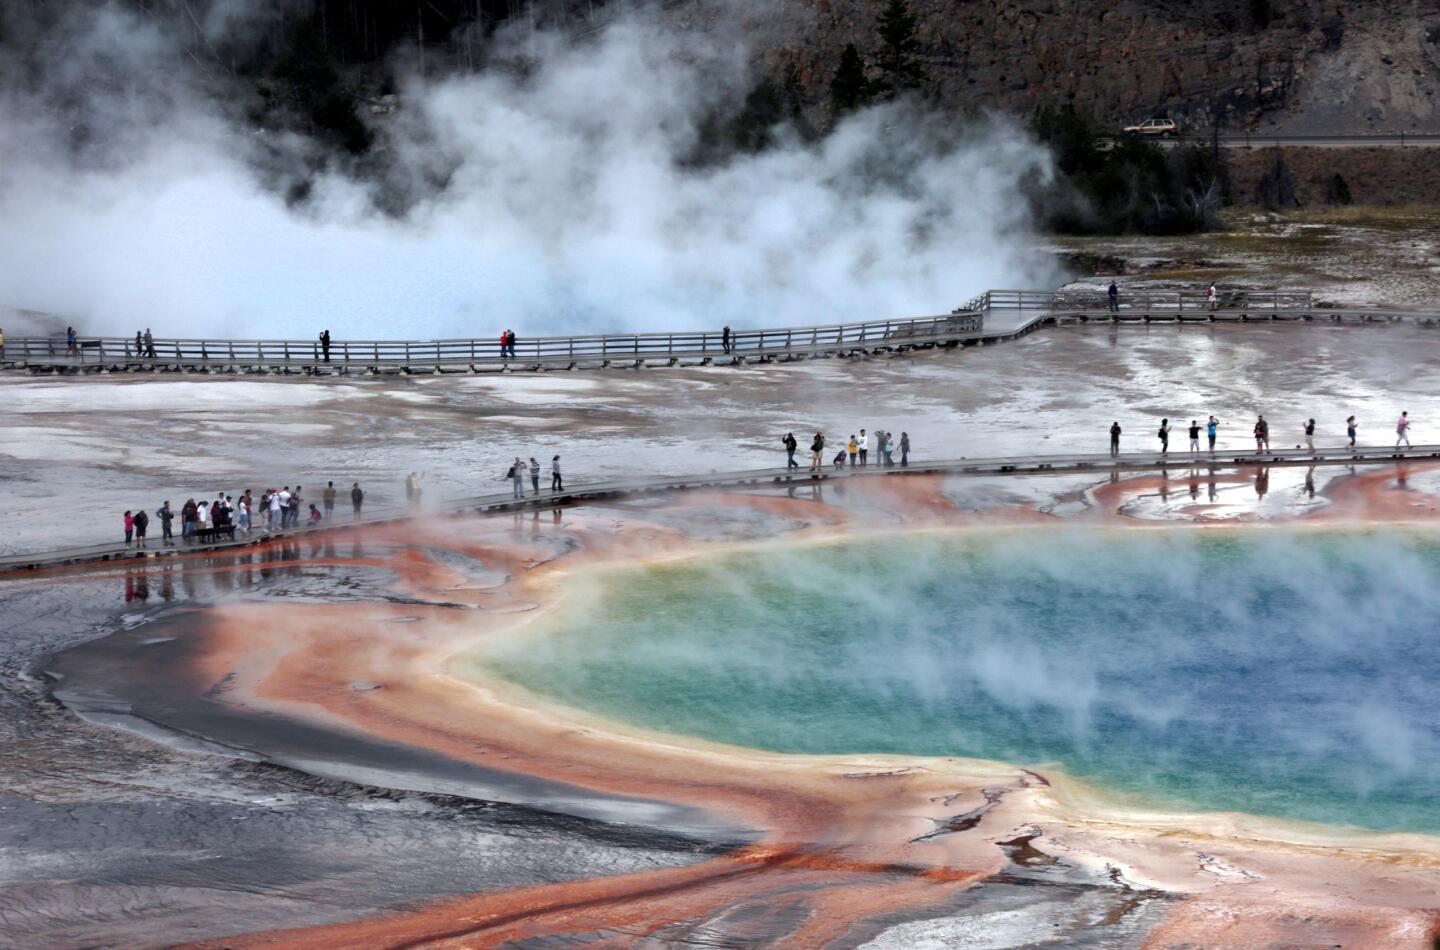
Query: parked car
point(1159, 127)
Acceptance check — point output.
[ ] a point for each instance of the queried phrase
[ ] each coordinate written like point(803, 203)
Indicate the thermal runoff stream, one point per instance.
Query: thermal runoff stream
point(1285, 673)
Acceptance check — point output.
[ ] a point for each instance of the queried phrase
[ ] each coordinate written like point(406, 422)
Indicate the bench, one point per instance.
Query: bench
point(213, 533)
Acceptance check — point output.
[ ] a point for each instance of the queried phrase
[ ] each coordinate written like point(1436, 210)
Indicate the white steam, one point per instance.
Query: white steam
point(566, 205)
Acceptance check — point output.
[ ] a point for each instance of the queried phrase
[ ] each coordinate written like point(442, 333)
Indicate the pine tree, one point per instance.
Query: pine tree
point(849, 88)
point(899, 69)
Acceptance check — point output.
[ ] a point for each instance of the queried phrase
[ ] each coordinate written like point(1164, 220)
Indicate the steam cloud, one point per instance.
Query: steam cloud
point(553, 199)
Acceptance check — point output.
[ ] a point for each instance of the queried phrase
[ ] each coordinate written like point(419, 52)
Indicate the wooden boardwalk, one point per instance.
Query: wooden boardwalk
point(992, 317)
point(769, 478)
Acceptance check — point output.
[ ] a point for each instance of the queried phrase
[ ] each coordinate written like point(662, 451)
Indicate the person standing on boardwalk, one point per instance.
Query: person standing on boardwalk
point(534, 475)
point(1310, 435)
point(149, 344)
point(166, 516)
point(1114, 294)
point(412, 488)
point(1350, 428)
point(904, 449)
point(1211, 297)
point(517, 478)
point(1194, 436)
point(556, 482)
point(1402, 430)
point(725, 338)
point(853, 448)
point(69, 341)
point(1115, 438)
point(887, 446)
point(139, 346)
point(1164, 434)
point(328, 497)
point(325, 345)
point(1262, 435)
point(129, 528)
point(817, 451)
point(188, 518)
point(357, 499)
point(1210, 428)
point(790, 446)
point(864, 446)
point(510, 341)
point(142, 524)
point(295, 506)
point(242, 508)
point(279, 504)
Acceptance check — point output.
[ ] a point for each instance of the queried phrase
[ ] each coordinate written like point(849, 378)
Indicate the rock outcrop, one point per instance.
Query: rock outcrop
point(1300, 66)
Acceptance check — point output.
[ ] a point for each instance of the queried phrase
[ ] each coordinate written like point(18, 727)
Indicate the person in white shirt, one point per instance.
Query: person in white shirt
point(244, 514)
point(202, 515)
point(1210, 296)
point(276, 506)
point(1402, 429)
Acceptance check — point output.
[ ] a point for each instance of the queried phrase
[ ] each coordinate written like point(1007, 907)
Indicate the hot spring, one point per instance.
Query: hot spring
point(1285, 673)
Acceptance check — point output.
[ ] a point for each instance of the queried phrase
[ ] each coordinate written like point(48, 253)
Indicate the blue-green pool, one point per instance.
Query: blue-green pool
point(1291, 674)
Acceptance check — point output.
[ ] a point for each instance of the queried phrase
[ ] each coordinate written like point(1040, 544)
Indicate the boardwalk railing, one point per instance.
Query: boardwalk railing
point(686, 345)
point(1154, 301)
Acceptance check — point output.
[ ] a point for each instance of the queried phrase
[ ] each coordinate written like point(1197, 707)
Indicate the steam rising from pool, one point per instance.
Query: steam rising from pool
point(1290, 674)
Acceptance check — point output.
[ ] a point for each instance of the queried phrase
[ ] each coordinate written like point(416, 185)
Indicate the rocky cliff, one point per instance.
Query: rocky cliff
point(1299, 66)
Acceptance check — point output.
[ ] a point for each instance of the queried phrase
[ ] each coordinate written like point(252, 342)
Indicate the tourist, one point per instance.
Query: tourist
point(139, 344)
point(1310, 435)
point(188, 518)
point(149, 344)
point(1115, 438)
point(219, 515)
point(904, 449)
point(817, 449)
point(840, 458)
point(244, 512)
point(1114, 295)
point(1262, 435)
point(510, 339)
point(1402, 430)
point(296, 506)
point(357, 499)
point(70, 341)
point(852, 448)
point(315, 515)
point(725, 338)
point(504, 343)
point(556, 482)
point(328, 497)
point(887, 445)
point(1350, 426)
point(534, 475)
point(1164, 436)
point(864, 447)
point(166, 516)
point(1210, 429)
point(790, 446)
point(129, 528)
point(1211, 296)
point(1194, 436)
point(517, 478)
point(279, 505)
point(325, 345)
point(202, 516)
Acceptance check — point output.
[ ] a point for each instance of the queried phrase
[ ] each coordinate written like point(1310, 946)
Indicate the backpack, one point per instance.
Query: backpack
point(1162, 432)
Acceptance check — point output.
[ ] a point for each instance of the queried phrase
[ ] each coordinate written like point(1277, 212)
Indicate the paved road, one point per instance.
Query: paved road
point(1269, 140)
point(766, 478)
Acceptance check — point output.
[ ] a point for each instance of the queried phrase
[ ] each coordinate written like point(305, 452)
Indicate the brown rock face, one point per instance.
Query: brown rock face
point(1322, 66)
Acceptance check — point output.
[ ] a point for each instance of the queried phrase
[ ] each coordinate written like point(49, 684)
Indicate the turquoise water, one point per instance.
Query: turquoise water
point(1285, 674)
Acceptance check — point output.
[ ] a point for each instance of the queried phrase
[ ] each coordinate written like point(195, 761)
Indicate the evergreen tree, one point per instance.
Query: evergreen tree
point(899, 69)
point(849, 88)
